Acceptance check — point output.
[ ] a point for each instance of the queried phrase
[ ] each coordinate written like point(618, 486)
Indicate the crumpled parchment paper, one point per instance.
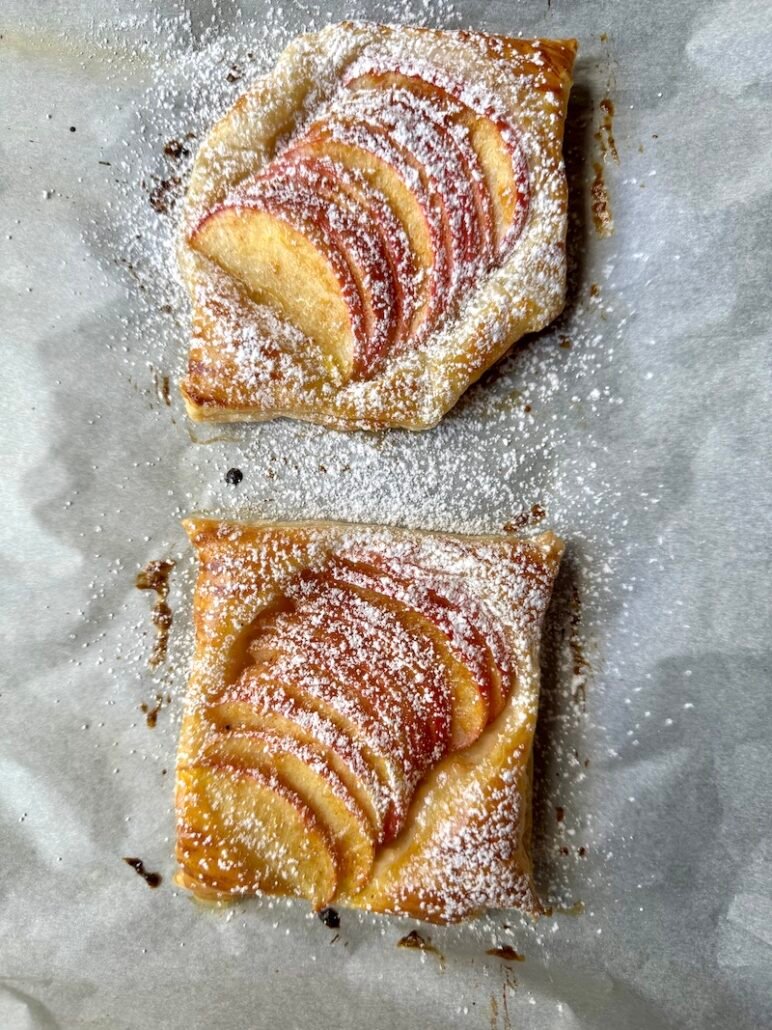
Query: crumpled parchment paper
point(639, 423)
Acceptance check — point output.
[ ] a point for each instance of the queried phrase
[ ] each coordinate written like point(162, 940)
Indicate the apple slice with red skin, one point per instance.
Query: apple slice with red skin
point(372, 651)
point(455, 122)
point(334, 182)
point(262, 706)
point(301, 769)
point(240, 832)
point(439, 178)
point(390, 170)
point(461, 615)
point(287, 261)
point(261, 689)
point(343, 222)
point(290, 657)
point(464, 652)
point(448, 165)
point(364, 656)
point(493, 135)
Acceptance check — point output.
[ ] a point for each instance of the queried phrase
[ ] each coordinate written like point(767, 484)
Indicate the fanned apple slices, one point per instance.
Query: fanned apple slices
point(379, 218)
point(338, 672)
point(494, 138)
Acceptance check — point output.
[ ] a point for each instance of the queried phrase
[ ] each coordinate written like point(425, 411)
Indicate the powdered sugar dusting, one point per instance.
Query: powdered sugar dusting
point(285, 626)
point(423, 149)
point(537, 430)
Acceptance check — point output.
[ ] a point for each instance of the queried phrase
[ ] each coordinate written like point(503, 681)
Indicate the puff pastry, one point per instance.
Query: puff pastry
point(374, 224)
point(360, 716)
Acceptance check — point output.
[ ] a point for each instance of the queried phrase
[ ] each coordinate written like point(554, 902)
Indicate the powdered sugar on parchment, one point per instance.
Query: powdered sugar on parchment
point(536, 432)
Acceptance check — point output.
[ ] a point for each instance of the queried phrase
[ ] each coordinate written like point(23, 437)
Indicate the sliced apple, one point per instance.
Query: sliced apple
point(292, 265)
point(336, 180)
point(315, 200)
point(269, 708)
point(463, 652)
point(241, 832)
point(271, 688)
point(414, 125)
point(461, 615)
point(390, 170)
point(459, 123)
point(494, 138)
point(380, 716)
point(315, 783)
point(379, 666)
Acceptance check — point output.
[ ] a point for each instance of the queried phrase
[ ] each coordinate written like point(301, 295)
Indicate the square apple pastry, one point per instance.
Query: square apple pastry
point(374, 223)
point(360, 717)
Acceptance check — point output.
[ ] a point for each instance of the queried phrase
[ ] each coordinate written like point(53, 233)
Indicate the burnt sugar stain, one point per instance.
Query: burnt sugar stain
point(524, 519)
point(520, 521)
point(494, 1013)
point(151, 879)
point(415, 941)
point(602, 218)
point(600, 201)
point(155, 577)
point(330, 917)
point(577, 909)
point(175, 149)
point(506, 953)
point(162, 387)
point(234, 476)
point(605, 134)
point(560, 813)
point(151, 714)
point(151, 711)
point(580, 666)
point(164, 195)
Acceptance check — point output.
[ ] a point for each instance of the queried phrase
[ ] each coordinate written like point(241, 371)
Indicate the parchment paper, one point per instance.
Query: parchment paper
point(639, 423)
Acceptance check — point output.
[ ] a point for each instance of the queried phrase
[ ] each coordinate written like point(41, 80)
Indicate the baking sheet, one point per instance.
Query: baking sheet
point(639, 423)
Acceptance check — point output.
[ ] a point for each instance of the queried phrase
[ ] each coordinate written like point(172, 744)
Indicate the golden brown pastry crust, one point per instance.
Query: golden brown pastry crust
point(245, 363)
point(462, 845)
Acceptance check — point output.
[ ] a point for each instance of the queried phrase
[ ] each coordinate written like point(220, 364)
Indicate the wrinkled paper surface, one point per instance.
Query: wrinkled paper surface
point(646, 442)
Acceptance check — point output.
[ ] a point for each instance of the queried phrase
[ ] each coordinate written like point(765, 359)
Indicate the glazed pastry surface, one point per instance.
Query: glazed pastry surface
point(360, 716)
point(374, 224)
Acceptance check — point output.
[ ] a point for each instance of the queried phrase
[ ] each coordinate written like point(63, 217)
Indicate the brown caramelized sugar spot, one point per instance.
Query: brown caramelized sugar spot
point(330, 917)
point(601, 204)
point(151, 879)
point(163, 387)
point(165, 194)
point(416, 942)
point(580, 664)
point(524, 519)
point(506, 953)
point(605, 134)
point(155, 576)
point(151, 712)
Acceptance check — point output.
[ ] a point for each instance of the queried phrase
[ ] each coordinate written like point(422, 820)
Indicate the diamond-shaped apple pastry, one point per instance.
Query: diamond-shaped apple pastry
point(374, 224)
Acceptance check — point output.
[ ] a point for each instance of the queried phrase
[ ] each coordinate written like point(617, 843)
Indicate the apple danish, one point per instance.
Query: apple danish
point(374, 224)
point(360, 717)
